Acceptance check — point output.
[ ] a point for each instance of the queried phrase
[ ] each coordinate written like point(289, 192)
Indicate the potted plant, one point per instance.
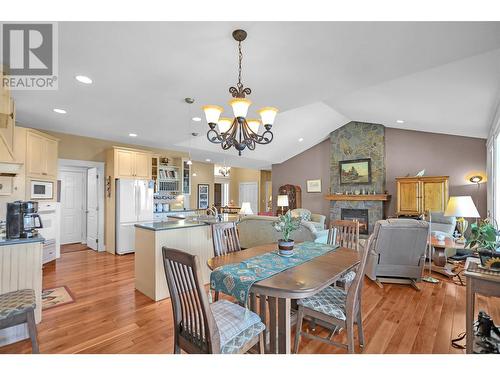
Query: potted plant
point(286, 224)
point(484, 236)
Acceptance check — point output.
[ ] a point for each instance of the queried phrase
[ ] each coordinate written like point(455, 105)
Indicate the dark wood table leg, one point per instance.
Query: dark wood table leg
point(273, 326)
point(284, 326)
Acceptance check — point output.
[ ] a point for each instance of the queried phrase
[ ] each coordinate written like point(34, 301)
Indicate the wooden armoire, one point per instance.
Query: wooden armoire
point(294, 193)
point(417, 195)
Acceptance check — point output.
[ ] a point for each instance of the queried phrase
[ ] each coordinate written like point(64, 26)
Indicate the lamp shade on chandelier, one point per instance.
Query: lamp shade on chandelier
point(239, 131)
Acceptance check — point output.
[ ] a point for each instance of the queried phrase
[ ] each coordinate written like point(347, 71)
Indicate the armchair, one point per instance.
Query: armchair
point(316, 219)
point(398, 252)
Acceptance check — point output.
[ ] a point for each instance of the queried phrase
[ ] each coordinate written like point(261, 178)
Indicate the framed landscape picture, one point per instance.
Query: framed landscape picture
point(203, 196)
point(353, 172)
point(314, 186)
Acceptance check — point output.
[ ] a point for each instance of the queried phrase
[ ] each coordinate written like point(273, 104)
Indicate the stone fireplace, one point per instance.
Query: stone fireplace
point(358, 140)
point(360, 215)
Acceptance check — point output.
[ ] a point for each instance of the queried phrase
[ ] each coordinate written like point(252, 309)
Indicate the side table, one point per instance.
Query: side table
point(482, 282)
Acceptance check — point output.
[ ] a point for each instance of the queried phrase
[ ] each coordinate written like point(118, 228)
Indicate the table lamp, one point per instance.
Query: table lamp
point(461, 207)
point(282, 201)
point(246, 209)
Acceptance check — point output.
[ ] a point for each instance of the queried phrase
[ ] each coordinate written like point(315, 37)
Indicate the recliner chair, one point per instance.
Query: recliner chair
point(398, 253)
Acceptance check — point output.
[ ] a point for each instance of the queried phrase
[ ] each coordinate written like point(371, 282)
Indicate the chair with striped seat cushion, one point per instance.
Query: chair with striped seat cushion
point(200, 327)
point(232, 320)
point(335, 307)
point(18, 307)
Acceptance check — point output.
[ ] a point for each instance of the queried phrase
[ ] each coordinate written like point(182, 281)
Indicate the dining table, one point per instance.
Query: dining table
point(272, 298)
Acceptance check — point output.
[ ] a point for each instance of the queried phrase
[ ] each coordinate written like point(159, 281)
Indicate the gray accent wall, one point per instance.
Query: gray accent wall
point(406, 151)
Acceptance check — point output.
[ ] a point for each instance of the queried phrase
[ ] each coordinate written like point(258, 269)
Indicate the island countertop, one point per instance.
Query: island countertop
point(18, 241)
point(178, 223)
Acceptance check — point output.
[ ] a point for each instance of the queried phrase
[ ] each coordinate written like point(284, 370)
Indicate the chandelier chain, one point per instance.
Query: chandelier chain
point(240, 57)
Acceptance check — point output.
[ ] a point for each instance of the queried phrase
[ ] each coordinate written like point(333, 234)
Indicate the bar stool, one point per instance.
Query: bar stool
point(18, 307)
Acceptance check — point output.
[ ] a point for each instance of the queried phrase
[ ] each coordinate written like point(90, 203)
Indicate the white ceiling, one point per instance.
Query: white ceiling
point(437, 76)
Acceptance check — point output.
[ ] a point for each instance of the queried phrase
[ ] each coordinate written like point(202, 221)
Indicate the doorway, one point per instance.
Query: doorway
point(73, 203)
point(221, 194)
point(82, 196)
point(249, 192)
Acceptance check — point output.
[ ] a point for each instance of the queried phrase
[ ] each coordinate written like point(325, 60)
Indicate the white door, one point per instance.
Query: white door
point(72, 205)
point(249, 192)
point(145, 200)
point(92, 210)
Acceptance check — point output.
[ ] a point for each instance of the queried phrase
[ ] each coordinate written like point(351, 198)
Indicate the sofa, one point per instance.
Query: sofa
point(254, 230)
point(316, 219)
point(398, 251)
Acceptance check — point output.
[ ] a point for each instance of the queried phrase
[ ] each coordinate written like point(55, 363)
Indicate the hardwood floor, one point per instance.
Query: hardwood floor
point(72, 247)
point(109, 316)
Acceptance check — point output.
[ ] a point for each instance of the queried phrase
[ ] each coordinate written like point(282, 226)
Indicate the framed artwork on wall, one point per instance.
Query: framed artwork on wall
point(355, 172)
point(313, 186)
point(203, 195)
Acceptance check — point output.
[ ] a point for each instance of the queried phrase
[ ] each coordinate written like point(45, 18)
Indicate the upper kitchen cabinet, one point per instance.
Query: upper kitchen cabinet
point(130, 163)
point(7, 123)
point(41, 155)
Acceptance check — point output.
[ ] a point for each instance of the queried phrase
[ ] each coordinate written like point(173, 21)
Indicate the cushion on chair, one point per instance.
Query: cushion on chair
point(236, 324)
point(330, 301)
point(16, 302)
point(347, 279)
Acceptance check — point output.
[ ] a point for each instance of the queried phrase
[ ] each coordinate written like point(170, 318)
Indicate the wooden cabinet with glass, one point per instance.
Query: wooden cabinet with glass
point(417, 195)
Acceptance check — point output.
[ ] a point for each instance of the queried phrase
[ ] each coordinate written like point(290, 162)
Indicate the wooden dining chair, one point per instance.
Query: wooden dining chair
point(199, 327)
point(225, 238)
point(347, 233)
point(347, 236)
point(336, 307)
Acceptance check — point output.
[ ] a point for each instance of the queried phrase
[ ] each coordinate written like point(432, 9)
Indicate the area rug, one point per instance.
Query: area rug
point(58, 296)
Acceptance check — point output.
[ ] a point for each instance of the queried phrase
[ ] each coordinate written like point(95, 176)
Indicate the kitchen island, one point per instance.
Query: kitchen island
point(21, 268)
point(191, 235)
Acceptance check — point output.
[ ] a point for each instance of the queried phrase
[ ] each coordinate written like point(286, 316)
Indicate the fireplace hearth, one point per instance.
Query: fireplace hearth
point(360, 215)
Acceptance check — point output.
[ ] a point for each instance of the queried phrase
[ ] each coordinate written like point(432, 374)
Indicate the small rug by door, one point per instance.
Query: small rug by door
point(58, 296)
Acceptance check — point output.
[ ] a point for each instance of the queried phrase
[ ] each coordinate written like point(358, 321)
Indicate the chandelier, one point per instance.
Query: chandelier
point(239, 132)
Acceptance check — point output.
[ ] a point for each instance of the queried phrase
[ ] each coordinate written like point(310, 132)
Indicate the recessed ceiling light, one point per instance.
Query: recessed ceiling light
point(400, 121)
point(197, 119)
point(194, 174)
point(301, 139)
point(59, 110)
point(132, 135)
point(83, 79)
point(207, 160)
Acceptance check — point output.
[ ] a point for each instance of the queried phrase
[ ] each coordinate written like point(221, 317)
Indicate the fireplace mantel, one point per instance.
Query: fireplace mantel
point(361, 197)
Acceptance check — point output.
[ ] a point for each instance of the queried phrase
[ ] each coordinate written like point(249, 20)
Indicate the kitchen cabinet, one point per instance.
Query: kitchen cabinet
point(418, 195)
point(41, 155)
point(129, 163)
point(186, 177)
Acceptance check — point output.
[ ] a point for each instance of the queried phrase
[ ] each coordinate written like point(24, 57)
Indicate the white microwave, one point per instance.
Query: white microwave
point(42, 190)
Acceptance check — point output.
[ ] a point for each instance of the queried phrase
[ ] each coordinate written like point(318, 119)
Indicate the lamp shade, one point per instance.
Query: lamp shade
point(240, 106)
point(267, 115)
point(282, 201)
point(461, 206)
point(246, 209)
point(224, 124)
point(212, 113)
point(254, 124)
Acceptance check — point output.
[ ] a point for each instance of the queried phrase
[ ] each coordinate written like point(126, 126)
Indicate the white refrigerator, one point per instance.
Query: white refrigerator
point(134, 204)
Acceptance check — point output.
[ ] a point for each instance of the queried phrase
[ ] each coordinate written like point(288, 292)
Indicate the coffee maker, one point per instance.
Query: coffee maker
point(22, 219)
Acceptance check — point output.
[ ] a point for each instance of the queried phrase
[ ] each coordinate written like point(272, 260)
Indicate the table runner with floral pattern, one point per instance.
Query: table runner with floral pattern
point(237, 279)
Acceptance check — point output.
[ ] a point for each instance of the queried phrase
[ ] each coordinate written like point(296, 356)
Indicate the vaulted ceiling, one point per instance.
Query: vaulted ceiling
point(439, 77)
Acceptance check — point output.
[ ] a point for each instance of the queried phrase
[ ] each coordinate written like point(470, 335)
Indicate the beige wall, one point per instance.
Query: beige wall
point(265, 176)
point(93, 149)
point(204, 175)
